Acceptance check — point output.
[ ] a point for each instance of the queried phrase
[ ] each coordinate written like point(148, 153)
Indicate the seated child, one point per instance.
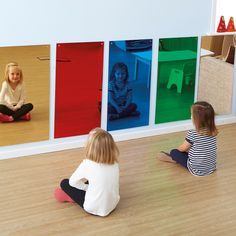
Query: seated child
point(12, 96)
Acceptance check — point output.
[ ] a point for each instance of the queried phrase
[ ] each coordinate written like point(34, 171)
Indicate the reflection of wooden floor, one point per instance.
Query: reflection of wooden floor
point(157, 198)
point(37, 79)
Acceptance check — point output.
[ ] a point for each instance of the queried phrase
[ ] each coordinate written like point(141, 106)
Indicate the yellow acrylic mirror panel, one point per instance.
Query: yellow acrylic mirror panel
point(33, 124)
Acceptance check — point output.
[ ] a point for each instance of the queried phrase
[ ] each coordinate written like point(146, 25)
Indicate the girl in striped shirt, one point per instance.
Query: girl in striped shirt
point(198, 151)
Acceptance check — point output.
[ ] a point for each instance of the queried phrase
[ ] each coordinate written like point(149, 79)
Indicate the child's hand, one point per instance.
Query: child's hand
point(11, 107)
point(15, 108)
point(119, 109)
point(184, 147)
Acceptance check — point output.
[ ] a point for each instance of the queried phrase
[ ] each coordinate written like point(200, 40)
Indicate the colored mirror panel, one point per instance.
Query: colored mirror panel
point(176, 78)
point(29, 96)
point(217, 71)
point(129, 84)
point(79, 70)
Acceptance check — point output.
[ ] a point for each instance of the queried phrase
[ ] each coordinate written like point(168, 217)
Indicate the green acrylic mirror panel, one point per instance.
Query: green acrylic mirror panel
point(176, 78)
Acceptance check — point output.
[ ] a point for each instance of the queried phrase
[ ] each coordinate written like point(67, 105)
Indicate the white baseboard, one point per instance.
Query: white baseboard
point(77, 142)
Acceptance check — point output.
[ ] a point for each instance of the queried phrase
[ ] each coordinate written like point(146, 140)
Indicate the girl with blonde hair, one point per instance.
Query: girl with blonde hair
point(12, 95)
point(94, 185)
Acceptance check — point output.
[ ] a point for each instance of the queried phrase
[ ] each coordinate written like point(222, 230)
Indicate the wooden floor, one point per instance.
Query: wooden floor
point(157, 198)
point(36, 74)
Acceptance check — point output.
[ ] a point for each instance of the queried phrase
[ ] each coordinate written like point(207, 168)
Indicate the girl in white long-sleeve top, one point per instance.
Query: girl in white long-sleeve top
point(95, 183)
point(13, 104)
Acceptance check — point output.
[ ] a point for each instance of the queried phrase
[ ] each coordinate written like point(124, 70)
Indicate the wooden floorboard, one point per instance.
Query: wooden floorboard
point(157, 198)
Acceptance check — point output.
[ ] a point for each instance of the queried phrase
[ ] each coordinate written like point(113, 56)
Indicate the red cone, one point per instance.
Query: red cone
point(221, 26)
point(230, 26)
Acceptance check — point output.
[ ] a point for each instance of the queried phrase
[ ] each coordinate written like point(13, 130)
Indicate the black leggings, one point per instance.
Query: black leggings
point(18, 113)
point(180, 157)
point(132, 107)
point(75, 194)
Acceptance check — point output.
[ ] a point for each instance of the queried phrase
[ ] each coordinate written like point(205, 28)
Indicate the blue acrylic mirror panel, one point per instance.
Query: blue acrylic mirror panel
point(129, 84)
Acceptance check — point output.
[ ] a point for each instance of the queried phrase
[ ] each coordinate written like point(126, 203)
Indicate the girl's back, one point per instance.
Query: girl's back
point(94, 185)
point(102, 194)
point(202, 154)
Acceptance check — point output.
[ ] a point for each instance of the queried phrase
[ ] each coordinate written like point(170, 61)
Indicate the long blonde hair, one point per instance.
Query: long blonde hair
point(203, 116)
point(101, 147)
point(7, 69)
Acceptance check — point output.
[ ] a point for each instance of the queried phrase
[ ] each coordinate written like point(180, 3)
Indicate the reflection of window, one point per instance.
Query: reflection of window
point(225, 8)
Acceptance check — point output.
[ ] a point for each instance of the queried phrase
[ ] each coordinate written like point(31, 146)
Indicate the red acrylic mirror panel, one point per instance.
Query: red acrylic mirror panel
point(79, 69)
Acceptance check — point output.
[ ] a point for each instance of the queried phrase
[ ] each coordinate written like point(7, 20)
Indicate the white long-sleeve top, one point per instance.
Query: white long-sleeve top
point(10, 97)
point(102, 192)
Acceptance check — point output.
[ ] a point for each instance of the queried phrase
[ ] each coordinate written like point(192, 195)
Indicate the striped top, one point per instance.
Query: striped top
point(119, 95)
point(202, 153)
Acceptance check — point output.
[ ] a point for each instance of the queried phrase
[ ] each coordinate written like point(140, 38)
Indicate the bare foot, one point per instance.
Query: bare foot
point(166, 157)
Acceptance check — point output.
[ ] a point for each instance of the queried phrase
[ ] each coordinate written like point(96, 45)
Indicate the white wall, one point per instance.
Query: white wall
point(24, 22)
point(31, 22)
point(226, 8)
